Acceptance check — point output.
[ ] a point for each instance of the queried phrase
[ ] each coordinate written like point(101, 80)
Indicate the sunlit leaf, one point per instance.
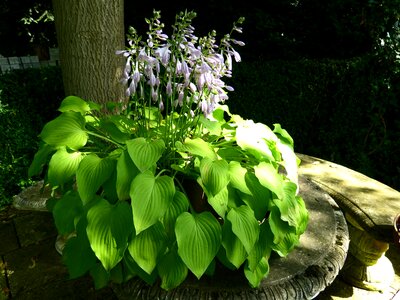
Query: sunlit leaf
point(126, 171)
point(179, 204)
point(244, 225)
point(172, 270)
point(144, 153)
point(92, 172)
point(63, 166)
point(258, 274)
point(270, 178)
point(66, 211)
point(40, 159)
point(151, 197)
point(254, 137)
point(78, 256)
point(291, 207)
point(114, 132)
point(262, 248)
point(199, 238)
point(237, 177)
point(283, 135)
point(74, 103)
point(68, 130)
point(109, 227)
point(214, 175)
point(197, 147)
point(219, 202)
point(261, 196)
point(234, 249)
point(146, 247)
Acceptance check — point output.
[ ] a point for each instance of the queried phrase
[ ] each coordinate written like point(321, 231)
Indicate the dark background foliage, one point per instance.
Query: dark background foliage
point(326, 71)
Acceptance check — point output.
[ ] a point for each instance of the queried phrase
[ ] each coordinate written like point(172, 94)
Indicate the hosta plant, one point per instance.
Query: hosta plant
point(173, 182)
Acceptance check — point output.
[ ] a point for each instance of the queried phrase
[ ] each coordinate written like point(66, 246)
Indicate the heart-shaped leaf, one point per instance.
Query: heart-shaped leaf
point(68, 130)
point(108, 229)
point(237, 175)
point(144, 153)
point(261, 196)
point(292, 208)
point(92, 172)
point(67, 211)
point(258, 274)
point(219, 202)
point(197, 147)
point(214, 175)
point(126, 171)
point(77, 254)
point(199, 239)
point(269, 177)
point(244, 225)
point(40, 159)
point(74, 103)
point(150, 198)
point(146, 247)
point(235, 251)
point(179, 204)
point(63, 166)
point(172, 270)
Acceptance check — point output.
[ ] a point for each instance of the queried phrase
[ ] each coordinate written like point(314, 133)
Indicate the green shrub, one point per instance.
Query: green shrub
point(28, 99)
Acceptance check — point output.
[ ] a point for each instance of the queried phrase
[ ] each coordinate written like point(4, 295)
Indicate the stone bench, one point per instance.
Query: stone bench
point(370, 208)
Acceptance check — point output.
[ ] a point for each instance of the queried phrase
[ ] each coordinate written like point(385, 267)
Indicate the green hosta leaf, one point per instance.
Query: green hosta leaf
point(73, 103)
point(220, 202)
point(214, 175)
point(261, 196)
point(198, 238)
point(109, 190)
point(235, 251)
point(68, 130)
point(197, 147)
point(172, 270)
point(237, 175)
point(77, 254)
point(145, 154)
point(40, 159)
point(115, 133)
point(151, 197)
point(109, 227)
point(292, 208)
point(67, 211)
point(287, 243)
point(126, 171)
point(244, 225)
point(100, 276)
point(254, 138)
point(146, 247)
point(278, 227)
point(262, 248)
point(178, 205)
point(283, 135)
point(289, 161)
point(258, 274)
point(133, 269)
point(270, 178)
point(92, 172)
point(63, 166)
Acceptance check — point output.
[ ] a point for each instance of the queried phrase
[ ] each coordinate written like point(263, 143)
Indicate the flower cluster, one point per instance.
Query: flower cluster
point(181, 73)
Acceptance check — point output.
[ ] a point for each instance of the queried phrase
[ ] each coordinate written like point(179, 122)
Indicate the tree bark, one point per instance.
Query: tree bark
point(88, 34)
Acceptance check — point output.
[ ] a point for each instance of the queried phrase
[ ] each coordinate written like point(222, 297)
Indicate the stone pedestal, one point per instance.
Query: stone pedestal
point(366, 265)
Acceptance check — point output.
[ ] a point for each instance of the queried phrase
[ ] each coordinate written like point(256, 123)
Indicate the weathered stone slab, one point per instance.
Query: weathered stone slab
point(371, 203)
point(8, 237)
point(35, 227)
point(34, 266)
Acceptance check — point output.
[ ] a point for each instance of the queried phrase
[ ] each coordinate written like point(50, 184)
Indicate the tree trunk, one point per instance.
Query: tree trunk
point(88, 33)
